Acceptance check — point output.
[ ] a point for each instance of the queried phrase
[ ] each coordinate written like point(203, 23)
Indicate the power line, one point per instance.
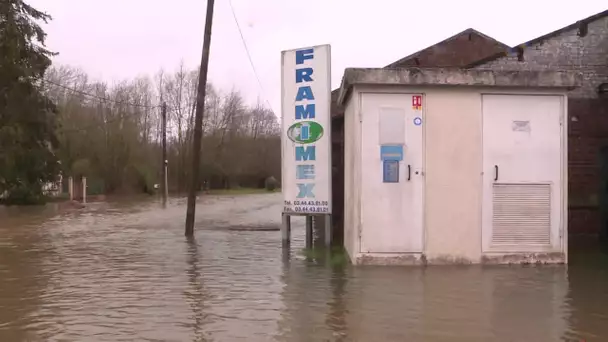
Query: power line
point(105, 99)
point(100, 97)
point(88, 127)
point(249, 55)
point(171, 108)
point(97, 125)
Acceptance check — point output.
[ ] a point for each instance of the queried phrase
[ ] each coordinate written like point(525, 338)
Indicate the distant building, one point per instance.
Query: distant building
point(53, 189)
point(582, 47)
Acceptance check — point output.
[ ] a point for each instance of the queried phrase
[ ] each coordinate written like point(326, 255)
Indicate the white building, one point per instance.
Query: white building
point(455, 166)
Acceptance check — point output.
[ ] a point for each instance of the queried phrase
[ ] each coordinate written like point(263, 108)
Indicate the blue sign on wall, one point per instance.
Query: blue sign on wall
point(391, 152)
point(390, 171)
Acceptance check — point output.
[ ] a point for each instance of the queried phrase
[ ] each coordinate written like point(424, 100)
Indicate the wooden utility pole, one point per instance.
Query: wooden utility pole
point(165, 161)
point(198, 123)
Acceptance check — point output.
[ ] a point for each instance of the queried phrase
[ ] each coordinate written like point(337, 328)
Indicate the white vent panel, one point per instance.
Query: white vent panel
point(521, 216)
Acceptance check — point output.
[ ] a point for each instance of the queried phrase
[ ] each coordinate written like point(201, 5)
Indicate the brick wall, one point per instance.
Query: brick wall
point(586, 52)
point(566, 51)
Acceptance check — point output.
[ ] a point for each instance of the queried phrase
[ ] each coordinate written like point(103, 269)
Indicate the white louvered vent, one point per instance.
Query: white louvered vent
point(521, 216)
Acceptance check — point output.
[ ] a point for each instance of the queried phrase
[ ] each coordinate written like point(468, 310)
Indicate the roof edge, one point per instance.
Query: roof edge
point(536, 40)
point(457, 77)
point(469, 30)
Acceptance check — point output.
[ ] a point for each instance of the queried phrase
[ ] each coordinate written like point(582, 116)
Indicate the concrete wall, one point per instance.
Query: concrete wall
point(352, 144)
point(453, 174)
point(570, 49)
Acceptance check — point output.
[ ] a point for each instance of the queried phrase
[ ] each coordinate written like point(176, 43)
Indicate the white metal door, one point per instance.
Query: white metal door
point(391, 212)
point(522, 173)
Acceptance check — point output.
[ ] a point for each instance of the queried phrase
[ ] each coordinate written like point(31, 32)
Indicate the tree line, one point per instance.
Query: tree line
point(113, 134)
point(56, 121)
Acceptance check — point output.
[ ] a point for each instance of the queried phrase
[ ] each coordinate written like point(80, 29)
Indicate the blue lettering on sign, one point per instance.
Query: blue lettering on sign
point(306, 153)
point(303, 75)
point(304, 132)
point(302, 55)
point(305, 172)
point(304, 93)
point(306, 191)
point(305, 111)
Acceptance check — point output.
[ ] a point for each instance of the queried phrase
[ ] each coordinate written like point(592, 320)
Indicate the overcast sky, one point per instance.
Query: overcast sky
point(118, 39)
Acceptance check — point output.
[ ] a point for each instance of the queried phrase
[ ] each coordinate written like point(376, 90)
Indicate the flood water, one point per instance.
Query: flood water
point(123, 271)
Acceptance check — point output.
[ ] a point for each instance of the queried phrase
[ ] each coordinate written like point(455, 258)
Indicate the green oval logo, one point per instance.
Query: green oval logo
point(305, 132)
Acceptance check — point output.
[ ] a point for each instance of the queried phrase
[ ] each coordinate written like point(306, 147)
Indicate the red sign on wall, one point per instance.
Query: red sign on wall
point(417, 102)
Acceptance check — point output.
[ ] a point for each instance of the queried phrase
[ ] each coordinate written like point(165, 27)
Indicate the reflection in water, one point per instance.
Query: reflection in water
point(20, 259)
point(122, 272)
point(587, 293)
point(196, 295)
point(336, 313)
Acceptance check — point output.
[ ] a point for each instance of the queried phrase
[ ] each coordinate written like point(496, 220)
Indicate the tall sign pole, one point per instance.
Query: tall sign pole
point(198, 123)
point(306, 136)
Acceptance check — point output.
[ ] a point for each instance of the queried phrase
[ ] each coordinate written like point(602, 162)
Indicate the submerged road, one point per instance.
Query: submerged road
point(123, 271)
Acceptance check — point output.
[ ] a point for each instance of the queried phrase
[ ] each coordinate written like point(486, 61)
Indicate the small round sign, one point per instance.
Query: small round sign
point(417, 121)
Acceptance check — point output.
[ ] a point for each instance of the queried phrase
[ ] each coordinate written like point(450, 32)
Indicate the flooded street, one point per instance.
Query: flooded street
point(123, 271)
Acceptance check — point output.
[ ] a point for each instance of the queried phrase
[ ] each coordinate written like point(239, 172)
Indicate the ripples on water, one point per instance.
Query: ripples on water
point(124, 272)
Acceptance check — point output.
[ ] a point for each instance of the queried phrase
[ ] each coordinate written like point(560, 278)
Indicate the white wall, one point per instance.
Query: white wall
point(453, 171)
point(351, 177)
point(453, 175)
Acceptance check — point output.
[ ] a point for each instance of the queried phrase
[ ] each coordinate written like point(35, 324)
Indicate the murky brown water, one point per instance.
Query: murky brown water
point(124, 272)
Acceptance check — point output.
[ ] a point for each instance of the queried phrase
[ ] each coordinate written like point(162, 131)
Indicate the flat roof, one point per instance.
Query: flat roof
point(457, 77)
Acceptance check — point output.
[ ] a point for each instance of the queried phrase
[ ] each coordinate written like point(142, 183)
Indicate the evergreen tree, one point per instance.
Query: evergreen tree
point(27, 116)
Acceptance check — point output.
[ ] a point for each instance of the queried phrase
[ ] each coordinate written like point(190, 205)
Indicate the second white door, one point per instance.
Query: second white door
point(522, 144)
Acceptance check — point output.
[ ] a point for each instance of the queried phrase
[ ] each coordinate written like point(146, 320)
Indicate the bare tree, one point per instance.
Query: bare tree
point(112, 132)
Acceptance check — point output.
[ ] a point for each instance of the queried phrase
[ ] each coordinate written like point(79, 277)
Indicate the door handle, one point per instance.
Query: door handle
point(409, 172)
point(495, 173)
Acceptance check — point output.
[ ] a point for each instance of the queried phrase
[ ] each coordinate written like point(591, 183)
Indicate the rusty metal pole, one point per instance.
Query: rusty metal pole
point(198, 123)
point(309, 232)
point(286, 230)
